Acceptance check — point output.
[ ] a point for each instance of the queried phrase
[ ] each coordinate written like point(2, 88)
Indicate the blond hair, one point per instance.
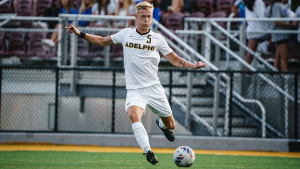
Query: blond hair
point(143, 5)
point(83, 7)
point(126, 5)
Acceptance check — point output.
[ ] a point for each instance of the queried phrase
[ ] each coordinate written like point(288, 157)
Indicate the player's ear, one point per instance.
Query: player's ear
point(135, 16)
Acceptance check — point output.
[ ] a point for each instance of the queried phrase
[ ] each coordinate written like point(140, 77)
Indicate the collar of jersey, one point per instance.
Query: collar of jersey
point(142, 33)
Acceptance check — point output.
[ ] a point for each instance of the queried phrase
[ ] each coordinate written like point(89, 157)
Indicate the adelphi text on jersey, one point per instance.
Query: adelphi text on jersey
point(139, 46)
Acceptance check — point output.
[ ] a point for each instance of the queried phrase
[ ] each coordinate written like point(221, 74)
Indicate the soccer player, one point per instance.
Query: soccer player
point(141, 58)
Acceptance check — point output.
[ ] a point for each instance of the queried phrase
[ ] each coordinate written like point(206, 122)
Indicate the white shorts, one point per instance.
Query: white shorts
point(153, 96)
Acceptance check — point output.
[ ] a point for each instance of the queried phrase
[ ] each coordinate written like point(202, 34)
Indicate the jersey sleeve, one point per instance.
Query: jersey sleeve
point(163, 46)
point(118, 37)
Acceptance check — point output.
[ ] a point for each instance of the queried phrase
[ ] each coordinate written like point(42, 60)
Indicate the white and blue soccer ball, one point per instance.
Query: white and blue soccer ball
point(184, 156)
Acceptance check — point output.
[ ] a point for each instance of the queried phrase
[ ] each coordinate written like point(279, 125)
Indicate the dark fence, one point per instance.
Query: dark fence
point(92, 100)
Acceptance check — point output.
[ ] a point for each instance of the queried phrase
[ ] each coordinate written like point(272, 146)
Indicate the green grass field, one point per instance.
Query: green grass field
point(56, 159)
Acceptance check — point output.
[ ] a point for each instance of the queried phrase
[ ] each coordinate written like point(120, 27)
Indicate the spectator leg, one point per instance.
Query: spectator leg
point(35, 5)
point(15, 5)
point(277, 59)
point(283, 53)
point(54, 36)
point(252, 44)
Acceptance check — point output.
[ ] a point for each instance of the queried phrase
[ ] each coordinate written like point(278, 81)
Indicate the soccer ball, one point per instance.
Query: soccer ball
point(184, 156)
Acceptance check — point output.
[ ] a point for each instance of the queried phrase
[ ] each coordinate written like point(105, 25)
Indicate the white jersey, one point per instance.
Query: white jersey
point(141, 56)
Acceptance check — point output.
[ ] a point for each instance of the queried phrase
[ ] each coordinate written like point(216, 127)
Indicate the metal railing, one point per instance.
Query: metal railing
point(214, 68)
point(49, 86)
point(4, 1)
point(251, 68)
point(241, 32)
point(207, 31)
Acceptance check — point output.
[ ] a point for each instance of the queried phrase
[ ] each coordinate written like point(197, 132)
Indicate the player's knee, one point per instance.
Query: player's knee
point(133, 116)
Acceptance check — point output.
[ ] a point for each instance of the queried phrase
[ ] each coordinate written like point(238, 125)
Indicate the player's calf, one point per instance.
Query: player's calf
point(169, 133)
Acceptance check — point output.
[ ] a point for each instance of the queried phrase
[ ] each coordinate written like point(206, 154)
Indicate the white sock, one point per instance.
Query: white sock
point(161, 124)
point(141, 136)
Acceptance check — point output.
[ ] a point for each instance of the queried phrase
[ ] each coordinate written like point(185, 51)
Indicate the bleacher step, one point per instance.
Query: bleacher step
point(183, 91)
point(207, 110)
point(249, 131)
point(197, 101)
point(237, 120)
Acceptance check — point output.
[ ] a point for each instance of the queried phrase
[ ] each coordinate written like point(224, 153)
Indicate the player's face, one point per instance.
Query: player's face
point(144, 18)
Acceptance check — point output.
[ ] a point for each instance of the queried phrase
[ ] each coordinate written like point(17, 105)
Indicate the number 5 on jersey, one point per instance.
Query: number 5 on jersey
point(149, 39)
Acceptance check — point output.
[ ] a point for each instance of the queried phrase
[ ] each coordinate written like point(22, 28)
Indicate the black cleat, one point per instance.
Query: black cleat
point(151, 158)
point(168, 132)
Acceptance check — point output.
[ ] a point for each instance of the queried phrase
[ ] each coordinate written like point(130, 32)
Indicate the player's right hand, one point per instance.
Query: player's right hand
point(72, 29)
point(199, 65)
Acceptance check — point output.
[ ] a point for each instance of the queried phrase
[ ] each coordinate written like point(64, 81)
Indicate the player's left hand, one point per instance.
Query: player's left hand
point(199, 65)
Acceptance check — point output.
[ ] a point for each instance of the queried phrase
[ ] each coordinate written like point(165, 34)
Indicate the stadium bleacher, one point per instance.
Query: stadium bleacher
point(116, 51)
point(41, 5)
point(3, 45)
point(205, 6)
point(224, 5)
point(16, 44)
point(6, 7)
point(174, 21)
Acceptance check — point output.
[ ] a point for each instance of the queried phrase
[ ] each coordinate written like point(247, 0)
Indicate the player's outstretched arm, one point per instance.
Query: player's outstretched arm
point(179, 62)
point(97, 40)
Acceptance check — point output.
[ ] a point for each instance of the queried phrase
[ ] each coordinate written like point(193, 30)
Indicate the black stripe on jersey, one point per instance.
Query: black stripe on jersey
point(142, 33)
